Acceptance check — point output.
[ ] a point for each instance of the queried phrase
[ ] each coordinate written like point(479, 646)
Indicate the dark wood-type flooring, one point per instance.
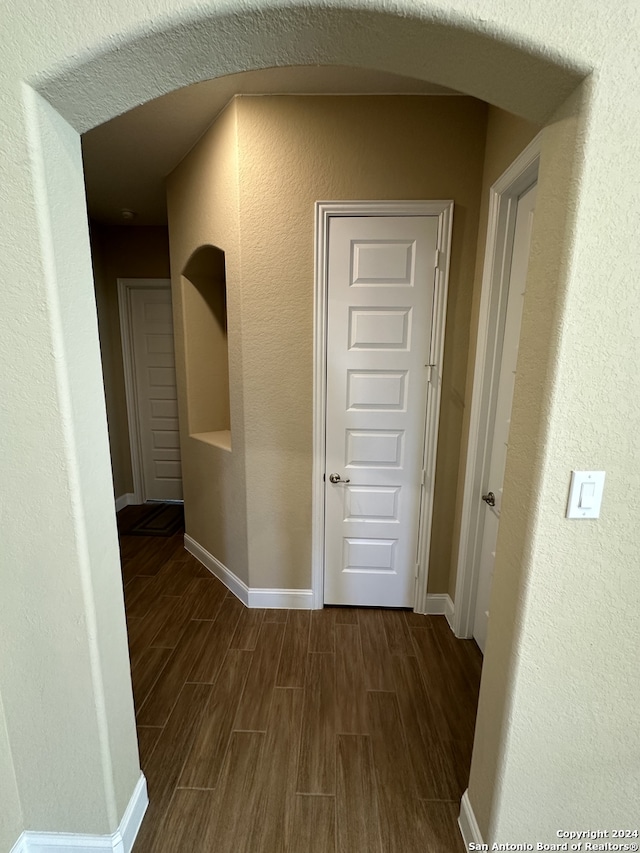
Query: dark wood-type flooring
point(344, 730)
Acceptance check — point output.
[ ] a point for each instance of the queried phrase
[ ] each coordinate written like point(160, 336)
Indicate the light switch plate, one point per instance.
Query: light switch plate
point(585, 494)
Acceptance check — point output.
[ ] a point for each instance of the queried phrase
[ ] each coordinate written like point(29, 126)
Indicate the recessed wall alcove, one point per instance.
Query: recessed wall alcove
point(204, 299)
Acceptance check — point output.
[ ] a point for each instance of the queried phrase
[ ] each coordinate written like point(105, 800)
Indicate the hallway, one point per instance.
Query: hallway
point(291, 731)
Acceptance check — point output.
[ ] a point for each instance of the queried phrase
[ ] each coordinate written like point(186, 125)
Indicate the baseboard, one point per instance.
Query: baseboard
point(121, 841)
point(134, 814)
point(450, 612)
point(285, 599)
point(468, 824)
point(288, 599)
point(231, 581)
point(125, 500)
point(440, 604)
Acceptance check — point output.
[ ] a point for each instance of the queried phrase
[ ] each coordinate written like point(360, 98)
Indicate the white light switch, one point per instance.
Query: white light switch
point(585, 494)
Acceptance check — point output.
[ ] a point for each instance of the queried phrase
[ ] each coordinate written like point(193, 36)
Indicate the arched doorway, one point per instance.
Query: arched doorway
point(149, 62)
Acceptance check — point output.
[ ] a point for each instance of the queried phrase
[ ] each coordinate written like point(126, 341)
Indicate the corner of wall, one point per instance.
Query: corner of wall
point(11, 818)
point(213, 477)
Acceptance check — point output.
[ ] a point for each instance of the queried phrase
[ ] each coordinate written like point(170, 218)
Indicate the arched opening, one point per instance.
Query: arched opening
point(90, 93)
point(204, 306)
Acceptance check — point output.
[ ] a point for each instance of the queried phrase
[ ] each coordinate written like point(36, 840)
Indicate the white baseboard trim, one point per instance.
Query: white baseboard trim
point(121, 841)
point(468, 824)
point(440, 604)
point(449, 612)
point(231, 581)
point(285, 599)
point(133, 816)
point(288, 599)
point(125, 500)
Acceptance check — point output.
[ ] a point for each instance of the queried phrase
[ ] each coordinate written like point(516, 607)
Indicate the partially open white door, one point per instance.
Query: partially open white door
point(148, 349)
point(502, 420)
point(381, 277)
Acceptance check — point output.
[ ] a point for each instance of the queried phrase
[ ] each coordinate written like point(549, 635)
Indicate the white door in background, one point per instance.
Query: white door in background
point(155, 392)
point(381, 278)
point(502, 419)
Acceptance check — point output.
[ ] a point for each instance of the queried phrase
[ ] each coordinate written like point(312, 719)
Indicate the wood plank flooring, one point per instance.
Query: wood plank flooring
point(345, 730)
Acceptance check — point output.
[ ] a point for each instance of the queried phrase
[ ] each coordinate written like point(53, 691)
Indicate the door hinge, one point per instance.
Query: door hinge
point(431, 367)
point(437, 259)
point(417, 570)
point(424, 477)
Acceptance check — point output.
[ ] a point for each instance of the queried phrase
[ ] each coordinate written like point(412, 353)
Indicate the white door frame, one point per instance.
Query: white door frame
point(325, 210)
point(503, 198)
point(125, 288)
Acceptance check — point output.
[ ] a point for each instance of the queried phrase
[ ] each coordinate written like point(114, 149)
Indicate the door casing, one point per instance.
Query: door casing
point(324, 211)
point(503, 199)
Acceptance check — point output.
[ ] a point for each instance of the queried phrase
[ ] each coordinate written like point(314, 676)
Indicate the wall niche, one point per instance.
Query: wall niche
point(204, 300)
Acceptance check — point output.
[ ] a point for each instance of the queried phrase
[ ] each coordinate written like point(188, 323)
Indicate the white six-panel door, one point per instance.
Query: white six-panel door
point(381, 273)
point(151, 325)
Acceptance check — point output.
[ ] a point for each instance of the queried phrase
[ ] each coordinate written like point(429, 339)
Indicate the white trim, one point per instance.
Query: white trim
point(319, 406)
point(125, 500)
point(495, 283)
point(134, 814)
point(231, 581)
point(283, 599)
point(467, 823)
point(288, 599)
point(125, 286)
point(439, 604)
point(121, 841)
point(324, 211)
point(434, 394)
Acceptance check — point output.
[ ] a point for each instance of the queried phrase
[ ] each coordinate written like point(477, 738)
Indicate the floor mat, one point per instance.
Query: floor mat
point(159, 520)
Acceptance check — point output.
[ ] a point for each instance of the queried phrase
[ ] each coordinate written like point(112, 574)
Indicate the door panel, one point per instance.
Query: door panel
point(504, 400)
point(376, 390)
point(374, 449)
point(380, 301)
point(367, 503)
point(155, 378)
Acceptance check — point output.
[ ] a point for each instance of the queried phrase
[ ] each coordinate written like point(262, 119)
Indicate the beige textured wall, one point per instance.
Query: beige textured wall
point(121, 252)
point(547, 617)
point(295, 151)
point(292, 152)
point(64, 669)
point(507, 136)
point(11, 820)
point(567, 686)
point(202, 203)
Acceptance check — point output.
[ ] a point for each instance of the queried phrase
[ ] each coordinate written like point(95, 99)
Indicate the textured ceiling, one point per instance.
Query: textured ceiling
point(127, 159)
